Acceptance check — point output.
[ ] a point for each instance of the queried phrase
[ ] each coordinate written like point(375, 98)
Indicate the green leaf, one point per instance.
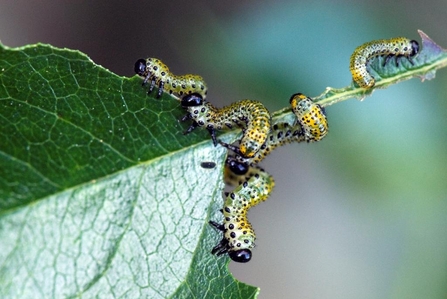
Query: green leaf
point(101, 195)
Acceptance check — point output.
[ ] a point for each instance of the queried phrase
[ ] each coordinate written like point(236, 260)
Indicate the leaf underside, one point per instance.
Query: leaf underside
point(101, 194)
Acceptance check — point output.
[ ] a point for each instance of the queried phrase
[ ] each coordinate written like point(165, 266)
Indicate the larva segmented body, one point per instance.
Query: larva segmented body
point(254, 184)
point(311, 125)
point(236, 166)
point(155, 71)
point(310, 116)
point(252, 116)
point(395, 47)
point(239, 237)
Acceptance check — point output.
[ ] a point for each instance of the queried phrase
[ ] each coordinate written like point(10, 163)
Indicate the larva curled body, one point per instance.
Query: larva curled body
point(238, 234)
point(251, 116)
point(310, 116)
point(155, 71)
point(237, 167)
point(311, 125)
point(396, 47)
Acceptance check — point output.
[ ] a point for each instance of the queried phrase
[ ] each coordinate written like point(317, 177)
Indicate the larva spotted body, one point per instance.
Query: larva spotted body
point(310, 116)
point(396, 47)
point(155, 71)
point(250, 115)
point(311, 125)
point(236, 166)
point(238, 234)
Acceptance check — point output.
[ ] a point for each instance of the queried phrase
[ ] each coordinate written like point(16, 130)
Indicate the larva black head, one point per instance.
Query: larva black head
point(294, 95)
point(236, 167)
point(414, 48)
point(140, 67)
point(191, 100)
point(240, 256)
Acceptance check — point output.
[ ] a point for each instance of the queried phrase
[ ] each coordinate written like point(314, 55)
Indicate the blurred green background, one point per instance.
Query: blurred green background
point(362, 214)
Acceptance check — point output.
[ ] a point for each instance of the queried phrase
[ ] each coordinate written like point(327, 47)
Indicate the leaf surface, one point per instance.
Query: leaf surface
point(101, 195)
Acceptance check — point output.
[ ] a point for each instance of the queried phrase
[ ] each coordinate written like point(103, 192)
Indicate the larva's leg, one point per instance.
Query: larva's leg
point(217, 225)
point(160, 88)
point(398, 58)
point(191, 128)
point(146, 79)
point(213, 134)
point(387, 58)
point(151, 88)
point(186, 117)
point(220, 248)
point(231, 147)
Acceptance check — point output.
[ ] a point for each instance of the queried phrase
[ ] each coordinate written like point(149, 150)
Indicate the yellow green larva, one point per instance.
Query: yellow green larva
point(237, 167)
point(154, 70)
point(310, 116)
point(398, 47)
point(254, 184)
point(250, 115)
point(311, 125)
point(238, 234)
